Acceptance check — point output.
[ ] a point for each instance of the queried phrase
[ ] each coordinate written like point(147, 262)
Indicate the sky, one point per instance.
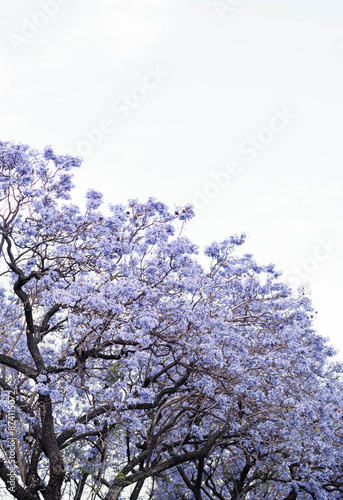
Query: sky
point(234, 106)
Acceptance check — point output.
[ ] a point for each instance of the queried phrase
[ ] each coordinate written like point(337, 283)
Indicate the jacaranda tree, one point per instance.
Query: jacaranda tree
point(129, 370)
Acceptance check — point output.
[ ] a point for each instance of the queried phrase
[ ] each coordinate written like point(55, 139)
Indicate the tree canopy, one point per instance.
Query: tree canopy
point(130, 370)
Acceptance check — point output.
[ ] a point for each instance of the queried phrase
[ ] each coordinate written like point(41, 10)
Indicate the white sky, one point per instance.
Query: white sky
point(225, 76)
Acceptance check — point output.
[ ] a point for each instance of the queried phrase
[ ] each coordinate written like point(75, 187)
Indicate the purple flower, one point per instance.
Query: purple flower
point(94, 199)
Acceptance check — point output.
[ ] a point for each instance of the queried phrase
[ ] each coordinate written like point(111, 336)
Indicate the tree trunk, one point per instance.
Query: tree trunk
point(114, 492)
point(137, 490)
point(81, 486)
point(197, 485)
point(292, 495)
point(51, 449)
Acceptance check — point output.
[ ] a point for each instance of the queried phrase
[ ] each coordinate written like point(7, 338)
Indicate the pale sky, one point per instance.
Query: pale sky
point(235, 106)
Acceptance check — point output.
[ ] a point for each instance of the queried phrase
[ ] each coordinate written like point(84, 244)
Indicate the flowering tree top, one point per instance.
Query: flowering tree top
point(131, 367)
